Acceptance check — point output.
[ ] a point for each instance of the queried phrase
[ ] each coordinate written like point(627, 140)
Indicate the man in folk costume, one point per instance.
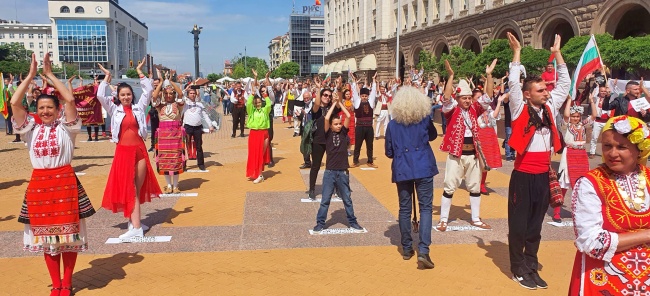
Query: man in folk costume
point(534, 137)
point(364, 104)
point(381, 110)
point(601, 117)
point(462, 143)
point(238, 99)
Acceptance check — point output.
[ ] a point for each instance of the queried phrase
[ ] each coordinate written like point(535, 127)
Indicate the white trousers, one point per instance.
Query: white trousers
point(465, 167)
point(382, 118)
point(297, 121)
point(595, 134)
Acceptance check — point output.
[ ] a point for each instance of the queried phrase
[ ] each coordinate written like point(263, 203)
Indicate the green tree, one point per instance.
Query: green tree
point(573, 49)
point(242, 67)
point(630, 54)
point(463, 61)
point(14, 58)
point(533, 59)
point(132, 73)
point(427, 61)
point(213, 77)
point(286, 70)
point(497, 49)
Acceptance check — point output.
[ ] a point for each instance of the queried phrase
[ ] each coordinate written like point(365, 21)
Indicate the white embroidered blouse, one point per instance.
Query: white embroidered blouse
point(591, 238)
point(50, 146)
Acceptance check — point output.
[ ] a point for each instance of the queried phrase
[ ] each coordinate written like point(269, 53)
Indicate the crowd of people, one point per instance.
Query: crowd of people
point(334, 117)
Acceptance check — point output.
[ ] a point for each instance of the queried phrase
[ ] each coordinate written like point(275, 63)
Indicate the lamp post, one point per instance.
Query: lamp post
point(196, 31)
point(65, 59)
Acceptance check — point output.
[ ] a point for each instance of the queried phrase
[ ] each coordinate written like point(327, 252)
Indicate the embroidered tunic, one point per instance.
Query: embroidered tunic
point(574, 160)
point(600, 213)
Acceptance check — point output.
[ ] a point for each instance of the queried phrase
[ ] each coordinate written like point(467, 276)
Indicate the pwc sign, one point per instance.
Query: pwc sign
point(314, 9)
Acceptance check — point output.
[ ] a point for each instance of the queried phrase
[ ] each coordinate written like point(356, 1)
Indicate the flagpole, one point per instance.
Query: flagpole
point(399, 20)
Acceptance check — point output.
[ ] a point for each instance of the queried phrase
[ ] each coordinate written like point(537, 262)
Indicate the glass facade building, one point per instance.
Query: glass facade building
point(83, 42)
point(306, 34)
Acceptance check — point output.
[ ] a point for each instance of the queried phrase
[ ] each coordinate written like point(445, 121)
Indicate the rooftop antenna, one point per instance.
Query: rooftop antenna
point(293, 7)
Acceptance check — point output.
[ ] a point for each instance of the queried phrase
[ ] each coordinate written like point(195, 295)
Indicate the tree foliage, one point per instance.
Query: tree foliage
point(286, 70)
point(533, 59)
point(463, 61)
point(213, 77)
point(242, 67)
point(497, 49)
point(14, 58)
point(131, 73)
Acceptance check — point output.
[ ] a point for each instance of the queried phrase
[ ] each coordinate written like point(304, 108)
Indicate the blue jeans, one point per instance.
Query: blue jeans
point(226, 106)
point(442, 116)
point(424, 189)
point(340, 179)
point(509, 151)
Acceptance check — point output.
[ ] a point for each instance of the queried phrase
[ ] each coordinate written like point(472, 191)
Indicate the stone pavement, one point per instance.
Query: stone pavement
point(239, 238)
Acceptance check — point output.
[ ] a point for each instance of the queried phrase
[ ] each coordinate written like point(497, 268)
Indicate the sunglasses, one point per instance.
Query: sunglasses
point(326, 95)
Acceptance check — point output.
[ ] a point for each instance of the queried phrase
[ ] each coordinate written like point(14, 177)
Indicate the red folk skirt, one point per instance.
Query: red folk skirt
point(52, 199)
point(119, 195)
point(257, 157)
point(490, 147)
point(170, 148)
point(577, 163)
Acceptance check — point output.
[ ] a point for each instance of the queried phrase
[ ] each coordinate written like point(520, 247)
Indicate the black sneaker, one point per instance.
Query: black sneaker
point(295, 134)
point(271, 164)
point(311, 195)
point(202, 167)
point(319, 228)
point(408, 254)
point(557, 220)
point(525, 281)
point(426, 261)
point(356, 227)
point(539, 281)
point(233, 136)
point(241, 135)
point(305, 166)
point(90, 139)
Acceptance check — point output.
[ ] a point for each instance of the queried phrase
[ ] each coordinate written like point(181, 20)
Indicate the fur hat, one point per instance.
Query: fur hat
point(364, 91)
point(463, 88)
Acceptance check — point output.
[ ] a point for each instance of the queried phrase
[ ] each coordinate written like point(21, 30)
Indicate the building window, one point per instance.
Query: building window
point(40, 36)
point(79, 9)
point(40, 45)
point(21, 36)
point(31, 36)
point(49, 36)
point(84, 41)
point(12, 36)
point(3, 43)
point(41, 54)
point(2, 35)
point(31, 45)
point(49, 45)
point(65, 9)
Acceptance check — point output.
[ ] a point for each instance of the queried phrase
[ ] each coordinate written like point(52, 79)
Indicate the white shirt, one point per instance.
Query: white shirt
point(541, 140)
point(50, 146)
point(193, 111)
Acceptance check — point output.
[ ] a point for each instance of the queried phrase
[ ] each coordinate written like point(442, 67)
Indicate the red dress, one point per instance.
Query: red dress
point(352, 120)
point(119, 195)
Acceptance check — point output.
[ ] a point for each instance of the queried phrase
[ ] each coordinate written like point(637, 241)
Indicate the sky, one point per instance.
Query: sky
point(228, 27)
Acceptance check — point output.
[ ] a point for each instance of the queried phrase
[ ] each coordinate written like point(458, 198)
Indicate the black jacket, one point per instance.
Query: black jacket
point(620, 106)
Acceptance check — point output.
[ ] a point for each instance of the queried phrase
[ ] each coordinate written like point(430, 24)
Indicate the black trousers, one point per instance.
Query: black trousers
point(317, 152)
point(528, 197)
point(154, 121)
point(196, 133)
point(238, 118)
point(363, 133)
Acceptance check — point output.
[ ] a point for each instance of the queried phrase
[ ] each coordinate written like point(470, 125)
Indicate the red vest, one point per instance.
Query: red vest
point(455, 134)
point(519, 139)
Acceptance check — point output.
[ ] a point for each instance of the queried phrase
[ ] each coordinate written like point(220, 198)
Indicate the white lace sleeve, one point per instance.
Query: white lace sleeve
point(591, 238)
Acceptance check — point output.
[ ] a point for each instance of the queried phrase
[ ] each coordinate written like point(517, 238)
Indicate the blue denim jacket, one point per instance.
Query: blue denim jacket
point(409, 148)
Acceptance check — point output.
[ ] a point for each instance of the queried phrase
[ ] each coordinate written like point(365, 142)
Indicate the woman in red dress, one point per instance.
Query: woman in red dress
point(131, 181)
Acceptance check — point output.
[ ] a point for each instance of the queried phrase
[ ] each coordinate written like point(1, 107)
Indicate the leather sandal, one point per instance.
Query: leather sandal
point(442, 226)
point(480, 224)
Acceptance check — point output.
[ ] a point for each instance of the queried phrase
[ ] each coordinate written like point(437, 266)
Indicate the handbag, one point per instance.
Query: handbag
point(557, 199)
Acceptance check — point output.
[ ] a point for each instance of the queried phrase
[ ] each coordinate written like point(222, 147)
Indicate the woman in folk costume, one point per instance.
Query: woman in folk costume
point(575, 161)
point(170, 147)
point(461, 142)
point(384, 101)
point(55, 203)
point(258, 122)
point(131, 181)
point(487, 123)
point(611, 215)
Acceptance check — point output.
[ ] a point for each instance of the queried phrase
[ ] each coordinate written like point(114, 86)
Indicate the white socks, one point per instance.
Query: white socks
point(445, 206)
point(168, 179)
point(475, 203)
point(172, 180)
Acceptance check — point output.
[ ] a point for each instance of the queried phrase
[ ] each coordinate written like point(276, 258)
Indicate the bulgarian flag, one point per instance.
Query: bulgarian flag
point(4, 96)
point(590, 61)
point(553, 60)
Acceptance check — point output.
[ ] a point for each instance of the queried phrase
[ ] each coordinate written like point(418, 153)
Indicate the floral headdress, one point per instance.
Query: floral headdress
point(633, 129)
point(577, 109)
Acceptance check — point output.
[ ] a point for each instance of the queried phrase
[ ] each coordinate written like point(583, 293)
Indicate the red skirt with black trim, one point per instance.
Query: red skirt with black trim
point(119, 195)
point(490, 147)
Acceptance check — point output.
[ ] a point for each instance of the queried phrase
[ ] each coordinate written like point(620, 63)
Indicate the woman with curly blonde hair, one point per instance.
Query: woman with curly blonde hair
point(414, 165)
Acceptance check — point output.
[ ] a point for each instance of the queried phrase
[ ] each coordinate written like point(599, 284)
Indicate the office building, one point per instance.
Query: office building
point(35, 37)
point(307, 42)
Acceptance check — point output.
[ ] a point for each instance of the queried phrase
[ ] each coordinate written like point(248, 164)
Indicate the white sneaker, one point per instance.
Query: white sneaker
point(144, 227)
point(132, 233)
point(259, 179)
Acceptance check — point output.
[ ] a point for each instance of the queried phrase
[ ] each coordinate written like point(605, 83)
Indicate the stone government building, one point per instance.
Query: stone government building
point(361, 33)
